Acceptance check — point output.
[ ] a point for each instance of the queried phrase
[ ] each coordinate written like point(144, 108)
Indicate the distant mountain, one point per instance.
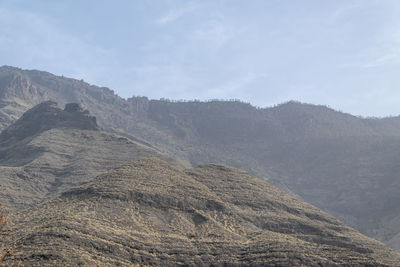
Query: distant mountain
point(49, 150)
point(149, 212)
point(343, 164)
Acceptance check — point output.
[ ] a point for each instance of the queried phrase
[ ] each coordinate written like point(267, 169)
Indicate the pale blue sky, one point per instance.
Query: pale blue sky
point(342, 53)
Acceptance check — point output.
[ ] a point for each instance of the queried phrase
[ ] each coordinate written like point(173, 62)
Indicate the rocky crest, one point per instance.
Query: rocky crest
point(46, 116)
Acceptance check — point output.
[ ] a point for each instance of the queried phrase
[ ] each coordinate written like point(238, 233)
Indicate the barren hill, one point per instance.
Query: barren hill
point(149, 212)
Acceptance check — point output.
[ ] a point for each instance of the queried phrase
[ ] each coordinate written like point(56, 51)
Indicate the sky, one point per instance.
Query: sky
point(343, 53)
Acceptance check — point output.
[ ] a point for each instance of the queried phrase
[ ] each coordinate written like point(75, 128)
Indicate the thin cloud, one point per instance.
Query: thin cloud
point(387, 53)
point(176, 13)
point(234, 87)
point(215, 32)
point(172, 81)
point(393, 58)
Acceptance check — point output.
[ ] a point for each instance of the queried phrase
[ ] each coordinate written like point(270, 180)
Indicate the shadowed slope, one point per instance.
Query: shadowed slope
point(45, 116)
point(149, 212)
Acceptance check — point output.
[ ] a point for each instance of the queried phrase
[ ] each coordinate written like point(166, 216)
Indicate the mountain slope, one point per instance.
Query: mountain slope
point(21, 90)
point(150, 212)
point(49, 150)
point(346, 165)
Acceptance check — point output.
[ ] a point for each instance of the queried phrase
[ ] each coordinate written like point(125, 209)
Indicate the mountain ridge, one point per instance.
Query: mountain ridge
point(345, 165)
point(292, 102)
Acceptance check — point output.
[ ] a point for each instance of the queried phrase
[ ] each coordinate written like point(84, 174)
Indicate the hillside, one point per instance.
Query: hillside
point(149, 212)
point(49, 150)
point(343, 164)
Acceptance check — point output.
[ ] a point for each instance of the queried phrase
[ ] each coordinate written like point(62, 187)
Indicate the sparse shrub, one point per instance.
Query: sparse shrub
point(251, 235)
point(6, 252)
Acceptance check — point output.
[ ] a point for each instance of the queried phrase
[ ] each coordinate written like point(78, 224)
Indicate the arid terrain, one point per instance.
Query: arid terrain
point(92, 179)
point(150, 212)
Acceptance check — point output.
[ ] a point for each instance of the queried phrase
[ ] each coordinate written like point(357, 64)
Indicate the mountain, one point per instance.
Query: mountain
point(343, 164)
point(150, 212)
point(49, 150)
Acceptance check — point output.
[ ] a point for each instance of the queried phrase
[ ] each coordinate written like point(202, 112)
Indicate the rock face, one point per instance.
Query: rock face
point(346, 165)
point(149, 212)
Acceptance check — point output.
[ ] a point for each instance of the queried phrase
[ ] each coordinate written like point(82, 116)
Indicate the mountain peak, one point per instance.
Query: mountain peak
point(48, 115)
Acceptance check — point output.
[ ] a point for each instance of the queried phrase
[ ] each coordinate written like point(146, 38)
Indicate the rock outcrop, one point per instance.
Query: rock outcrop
point(46, 116)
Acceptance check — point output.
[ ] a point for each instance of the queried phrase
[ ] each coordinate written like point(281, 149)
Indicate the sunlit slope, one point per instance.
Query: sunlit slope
point(150, 212)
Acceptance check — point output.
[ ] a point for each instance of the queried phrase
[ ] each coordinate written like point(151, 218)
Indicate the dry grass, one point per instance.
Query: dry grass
point(150, 212)
point(5, 251)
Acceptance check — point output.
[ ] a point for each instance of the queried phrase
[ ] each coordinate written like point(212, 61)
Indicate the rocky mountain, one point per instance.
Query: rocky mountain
point(49, 150)
point(343, 164)
point(150, 212)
